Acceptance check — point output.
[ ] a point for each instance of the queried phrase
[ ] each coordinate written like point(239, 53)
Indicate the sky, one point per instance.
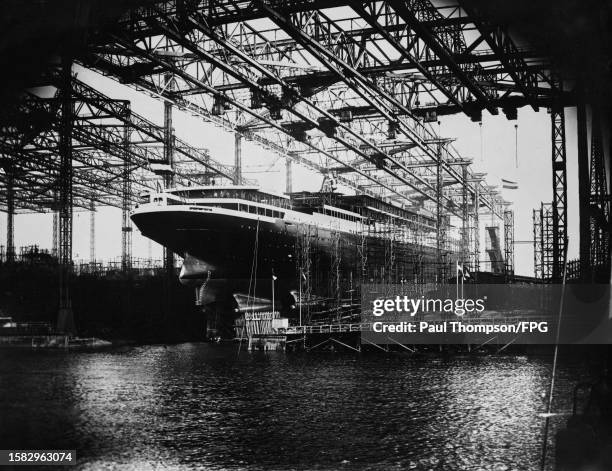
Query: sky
point(491, 146)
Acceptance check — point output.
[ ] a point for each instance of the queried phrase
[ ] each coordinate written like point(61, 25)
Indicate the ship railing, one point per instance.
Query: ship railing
point(27, 328)
point(328, 328)
point(500, 317)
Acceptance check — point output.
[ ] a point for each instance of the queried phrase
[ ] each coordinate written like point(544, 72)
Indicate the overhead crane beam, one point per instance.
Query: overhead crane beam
point(369, 13)
point(184, 26)
point(39, 172)
point(109, 138)
point(194, 49)
point(444, 46)
point(348, 72)
point(346, 67)
point(242, 107)
point(443, 29)
point(502, 45)
point(146, 127)
point(175, 37)
point(228, 125)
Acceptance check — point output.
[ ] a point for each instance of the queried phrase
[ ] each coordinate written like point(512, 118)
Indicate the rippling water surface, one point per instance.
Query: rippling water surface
point(200, 406)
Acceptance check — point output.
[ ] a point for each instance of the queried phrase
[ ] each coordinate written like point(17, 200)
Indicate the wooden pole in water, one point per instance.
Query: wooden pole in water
point(554, 368)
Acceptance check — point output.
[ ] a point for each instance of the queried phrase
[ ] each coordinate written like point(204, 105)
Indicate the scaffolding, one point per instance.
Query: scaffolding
point(476, 229)
point(92, 230)
point(599, 203)
point(558, 209)
point(371, 130)
point(537, 243)
point(547, 241)
point(303, 256)
point(465, 217)
point(335, 275)
point(65, 316)
point(126, 199)
point(509, 243)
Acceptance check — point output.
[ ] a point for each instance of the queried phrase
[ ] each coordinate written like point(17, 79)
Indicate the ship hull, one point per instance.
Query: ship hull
point(233, 254)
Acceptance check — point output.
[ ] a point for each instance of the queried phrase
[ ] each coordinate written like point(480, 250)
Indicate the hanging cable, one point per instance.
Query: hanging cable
point(253, 277)
point(481, 145)
point(516, 145)
point(252, 283)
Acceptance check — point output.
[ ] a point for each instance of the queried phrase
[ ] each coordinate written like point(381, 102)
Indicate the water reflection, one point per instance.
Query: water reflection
point(202, 406)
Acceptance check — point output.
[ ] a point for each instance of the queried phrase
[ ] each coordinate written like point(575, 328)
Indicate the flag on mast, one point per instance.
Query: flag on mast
point(509, 184)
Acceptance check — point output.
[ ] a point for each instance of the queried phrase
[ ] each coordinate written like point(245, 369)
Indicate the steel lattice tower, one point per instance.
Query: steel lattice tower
point(559, 203)
point(126, 223)
point(65, 316)
point(599, 200)
point(537, 244)
point(509, 243)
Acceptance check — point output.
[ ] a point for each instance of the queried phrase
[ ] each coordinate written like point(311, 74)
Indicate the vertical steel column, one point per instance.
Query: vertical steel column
point(600, 210)
point(548, 238)
point(65, 316)
point(509, 243)
point(559, 204)
point(288, 176)
point(583, 192)
point(168, 135)
point(10, 215)
point(465, 216)
point(54, 242)
point(126, 198)
point(169, 158)
point(237, 159)
point(476, 227)
point(439, 230)
point(92, 231)
point(537, 244)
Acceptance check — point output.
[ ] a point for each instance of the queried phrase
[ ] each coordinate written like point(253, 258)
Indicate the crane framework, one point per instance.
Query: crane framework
point(351, 89)
point(348, 88)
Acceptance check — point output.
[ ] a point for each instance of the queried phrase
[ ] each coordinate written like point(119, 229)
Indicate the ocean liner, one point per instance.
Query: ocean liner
point(243, 243)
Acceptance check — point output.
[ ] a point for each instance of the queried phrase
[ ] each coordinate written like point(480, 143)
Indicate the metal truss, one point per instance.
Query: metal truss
point(599, 200)
point(101, 160)
point(509, 243)
point(559, 204)
point(350, 89)
point(547, 216)
point(476, 230)
point(537, 244)
point(331, 87)
point(65, 195)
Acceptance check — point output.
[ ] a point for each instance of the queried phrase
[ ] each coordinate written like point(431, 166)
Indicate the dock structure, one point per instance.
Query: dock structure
point(355, 95)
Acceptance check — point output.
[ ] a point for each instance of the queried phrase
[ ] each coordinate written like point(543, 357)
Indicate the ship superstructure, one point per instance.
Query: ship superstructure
point(234, 239)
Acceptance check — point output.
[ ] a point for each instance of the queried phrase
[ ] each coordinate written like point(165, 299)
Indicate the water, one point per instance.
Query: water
point(200, 406)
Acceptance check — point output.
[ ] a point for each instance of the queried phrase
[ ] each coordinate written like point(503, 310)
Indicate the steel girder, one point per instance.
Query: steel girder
point(558, 210)
point(538, 266)
point(147, 132)
point(98, 149)
point(193, 80)
point(446, 42)
point(498, 38)
point(509, 243)
point(599, 199)
point(449, 28)
point(115, 63)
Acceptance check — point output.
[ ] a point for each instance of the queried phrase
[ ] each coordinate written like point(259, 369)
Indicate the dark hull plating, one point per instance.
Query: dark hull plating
point(232, 251)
